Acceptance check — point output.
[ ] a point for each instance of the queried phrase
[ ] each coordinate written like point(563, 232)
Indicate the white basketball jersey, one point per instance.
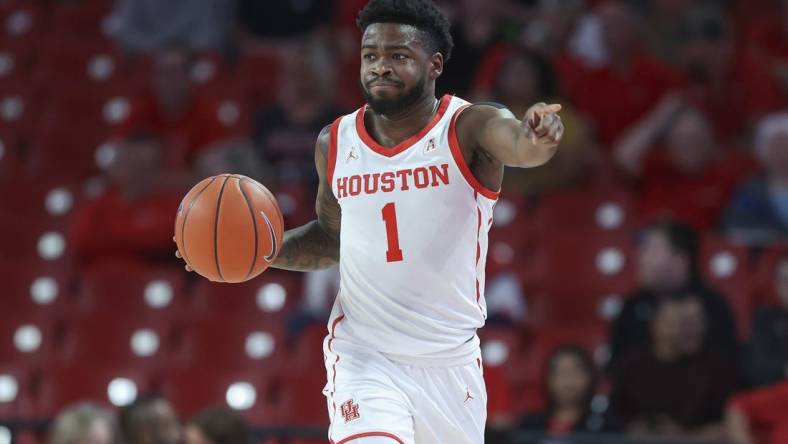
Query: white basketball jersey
point(413, 241)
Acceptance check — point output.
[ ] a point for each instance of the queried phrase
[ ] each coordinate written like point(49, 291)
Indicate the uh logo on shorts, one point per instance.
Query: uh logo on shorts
point(349, 410)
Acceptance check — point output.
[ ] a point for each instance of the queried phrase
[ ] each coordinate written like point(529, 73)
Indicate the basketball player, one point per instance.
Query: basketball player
point(407, 188)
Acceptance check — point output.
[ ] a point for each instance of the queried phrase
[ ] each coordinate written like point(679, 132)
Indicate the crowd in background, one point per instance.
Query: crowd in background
point(682, 102)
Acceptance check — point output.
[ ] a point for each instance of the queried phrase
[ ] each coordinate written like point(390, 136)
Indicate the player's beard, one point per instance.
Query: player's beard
point(394, 105)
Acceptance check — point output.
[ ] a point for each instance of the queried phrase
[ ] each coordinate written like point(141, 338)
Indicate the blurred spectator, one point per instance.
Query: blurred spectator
point(758, 212)
point(681, 169)
point(662, 20)
point(628, 83)
point(186, 121)
point(667, 262)
point(130, 219)
point(272, 23)
point(766, 353)
point(570, 385)
point(768, 37)
point(285, 133)
point(150, 420)
point(730, 84)
point(217, 426)
point(149, 25)
point(759, 416)
point(677, 387)
point(522, 79)
point(83, 423)
point(475, 30)
point(506, 302)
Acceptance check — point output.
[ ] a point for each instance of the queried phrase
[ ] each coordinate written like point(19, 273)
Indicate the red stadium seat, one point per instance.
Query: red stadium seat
point(608, 210)
point(35, 286)
point(235, 342)
point(85, 19)
point(10, 159)
point(251, 392)
point(259, 75)
point(17, 399)
point(302, 401)
point(133, 290)
point(581, 269)
point(105, 385)
point(271, 295)
point(511, 236)
point(118, 341)
point(765, 273)
point(726, 267)
point(22, 21)
point(26, 338)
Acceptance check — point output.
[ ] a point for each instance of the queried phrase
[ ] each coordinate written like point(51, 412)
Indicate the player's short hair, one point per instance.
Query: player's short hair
point(421, 14)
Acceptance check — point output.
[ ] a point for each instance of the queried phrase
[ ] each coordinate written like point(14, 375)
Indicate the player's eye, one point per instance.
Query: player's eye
point(399, 56)
point(368, 56)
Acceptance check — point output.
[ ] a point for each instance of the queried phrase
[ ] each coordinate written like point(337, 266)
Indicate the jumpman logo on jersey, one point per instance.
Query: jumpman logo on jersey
point(430, 146)
point(468, 395)
point(352, 155)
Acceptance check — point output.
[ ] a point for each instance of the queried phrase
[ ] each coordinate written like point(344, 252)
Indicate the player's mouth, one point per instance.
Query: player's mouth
point(383, 85)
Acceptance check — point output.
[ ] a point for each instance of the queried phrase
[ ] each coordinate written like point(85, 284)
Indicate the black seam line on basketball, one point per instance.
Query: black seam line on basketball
point(254, 224)
point(216, 229)
point(186, 217)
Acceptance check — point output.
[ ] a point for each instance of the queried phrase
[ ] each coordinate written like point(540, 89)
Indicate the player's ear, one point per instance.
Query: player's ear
point(436, 65)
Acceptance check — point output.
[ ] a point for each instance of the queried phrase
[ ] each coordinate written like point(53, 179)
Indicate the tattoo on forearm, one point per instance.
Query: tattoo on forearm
point(308, 248)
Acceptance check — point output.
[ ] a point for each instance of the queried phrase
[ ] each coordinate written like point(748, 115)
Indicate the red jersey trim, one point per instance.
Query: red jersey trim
point(405, 144)
point(362, 435)
point(332, 152)
point(459, 159)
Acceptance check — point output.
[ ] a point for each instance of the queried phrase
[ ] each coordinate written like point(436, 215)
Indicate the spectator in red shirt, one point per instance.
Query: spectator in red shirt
point(187, 122)
point(759, 416)
point(629, 84)
point(731, 85)
point(130, 220)
point(570, 385)
point(682, 171)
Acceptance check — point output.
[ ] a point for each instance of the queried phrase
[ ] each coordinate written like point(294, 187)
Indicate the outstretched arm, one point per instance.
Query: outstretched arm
point(315, 245)
point(510, 141)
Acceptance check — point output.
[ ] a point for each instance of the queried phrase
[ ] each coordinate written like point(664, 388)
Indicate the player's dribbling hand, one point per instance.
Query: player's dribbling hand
point(543, 125)
point(178, 255)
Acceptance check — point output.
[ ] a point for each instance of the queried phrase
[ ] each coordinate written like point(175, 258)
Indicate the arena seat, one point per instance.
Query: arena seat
point(258, 72)
point(27, 337)
point(35, 286)
point(301, 401)
point(235, 342)
point(18, 398)
point(726, 268)
point(252, 392)
point(608, 210)
point(116, 341)
point(764, 272)
point(273, 294)
point(569, 265)
point(84, 19)
point(132, 290)
point(106, 385)
point(61, 150)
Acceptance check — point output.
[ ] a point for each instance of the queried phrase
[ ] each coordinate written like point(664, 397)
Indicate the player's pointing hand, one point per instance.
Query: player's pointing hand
point(543, 125)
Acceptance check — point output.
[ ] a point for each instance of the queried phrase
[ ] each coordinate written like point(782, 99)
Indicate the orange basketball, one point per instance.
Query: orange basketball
point(229, 228)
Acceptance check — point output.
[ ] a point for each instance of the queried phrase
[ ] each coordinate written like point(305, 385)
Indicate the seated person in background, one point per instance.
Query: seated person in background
point(285, 132)
point(83, 423)
point(570, 385)
point(130, 219)
point(766, 353)
point(149, 420)
point(758, 212)
point(759, 416)
point(667, 262)
point(186, 121)
point(681, 169)
point(218, 425)
point(677, 386)
point(524, 77)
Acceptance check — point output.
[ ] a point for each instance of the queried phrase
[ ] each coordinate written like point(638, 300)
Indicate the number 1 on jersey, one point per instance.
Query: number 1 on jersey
point(393, 254)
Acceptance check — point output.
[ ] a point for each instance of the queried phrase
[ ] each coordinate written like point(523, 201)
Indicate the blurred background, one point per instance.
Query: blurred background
point(637, 284)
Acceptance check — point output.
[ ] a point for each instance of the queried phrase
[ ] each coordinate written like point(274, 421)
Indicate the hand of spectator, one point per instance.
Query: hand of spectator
point(178, 255)
point(667, 107)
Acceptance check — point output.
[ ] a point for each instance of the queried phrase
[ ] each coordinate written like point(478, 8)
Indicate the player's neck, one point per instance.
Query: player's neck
point(391, 129)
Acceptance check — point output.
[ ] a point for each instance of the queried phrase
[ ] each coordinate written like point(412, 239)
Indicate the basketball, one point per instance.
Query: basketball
point(229, 228)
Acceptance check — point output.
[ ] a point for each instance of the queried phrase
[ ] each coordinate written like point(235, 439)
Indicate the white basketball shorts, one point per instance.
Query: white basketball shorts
point(370, 395)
